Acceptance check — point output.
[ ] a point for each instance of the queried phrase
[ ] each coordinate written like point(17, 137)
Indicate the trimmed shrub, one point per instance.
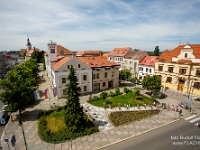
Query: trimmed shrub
point(103, 95)
point(95, 98)
point(117, 91)
point(139, 98)
point(126, 90)
point(136, 91)
point(112, 94)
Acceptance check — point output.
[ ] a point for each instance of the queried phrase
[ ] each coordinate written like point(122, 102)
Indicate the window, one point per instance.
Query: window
point(197, 72)
point(85, 88)
point(125, 61)
point(146, 69)
point(64, 91)
point(149, 70)
point(141, 69)
point(93, 76)
point(112, 73)
point(186, 55)
point(84, 77)
point(182, 71)
point(63, 80)
point(68, 66)
point(104, 84)
point(97, 75)
point(105, 75)
point(79, 65)
point(169, 79)
point(130, 62)
point(52, 50)
point(170, 69)
point(197, 85)
point(160, 68)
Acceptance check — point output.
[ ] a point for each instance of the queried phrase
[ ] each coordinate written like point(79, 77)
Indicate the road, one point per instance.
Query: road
point(164, 138)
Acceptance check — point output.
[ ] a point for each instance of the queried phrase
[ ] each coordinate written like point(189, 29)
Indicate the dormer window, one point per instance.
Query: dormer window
point(186, 55)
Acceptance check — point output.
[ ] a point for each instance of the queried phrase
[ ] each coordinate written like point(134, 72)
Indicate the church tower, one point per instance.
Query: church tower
point(29, 46)
point(52, 51)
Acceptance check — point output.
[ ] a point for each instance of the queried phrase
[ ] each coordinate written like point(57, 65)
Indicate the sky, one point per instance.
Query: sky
point(99, 24)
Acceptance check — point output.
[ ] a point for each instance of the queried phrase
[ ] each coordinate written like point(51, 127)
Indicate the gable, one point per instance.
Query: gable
point(77, 64)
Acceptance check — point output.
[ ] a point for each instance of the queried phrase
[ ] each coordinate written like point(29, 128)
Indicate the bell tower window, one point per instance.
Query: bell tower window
point(52, 50)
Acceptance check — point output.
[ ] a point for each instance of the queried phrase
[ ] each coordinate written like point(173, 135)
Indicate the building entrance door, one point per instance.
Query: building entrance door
point(181, 83)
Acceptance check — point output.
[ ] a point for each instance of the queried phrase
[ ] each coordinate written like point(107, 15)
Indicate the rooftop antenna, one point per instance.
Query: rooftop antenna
point(180, 42)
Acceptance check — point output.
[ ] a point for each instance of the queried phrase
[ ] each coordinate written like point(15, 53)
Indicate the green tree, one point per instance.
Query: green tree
point(156, 51)
point(18, 87)
point(125, 74)
point(152, 83)
point(135, 80)
point(74, 116)
point(35, 55)
point(18, 92)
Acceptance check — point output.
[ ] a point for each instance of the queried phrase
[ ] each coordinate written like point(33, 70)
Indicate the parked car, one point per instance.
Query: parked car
point(4, 117)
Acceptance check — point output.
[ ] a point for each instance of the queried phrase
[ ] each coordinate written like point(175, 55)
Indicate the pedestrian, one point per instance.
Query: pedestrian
point(199, 124)
point(119, 107)
point(180, 112)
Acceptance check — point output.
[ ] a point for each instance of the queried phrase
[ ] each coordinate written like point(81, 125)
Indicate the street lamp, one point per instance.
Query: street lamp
point(20, 124)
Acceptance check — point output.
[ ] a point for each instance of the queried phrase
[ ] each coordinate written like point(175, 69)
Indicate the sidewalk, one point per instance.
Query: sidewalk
point(108, 133)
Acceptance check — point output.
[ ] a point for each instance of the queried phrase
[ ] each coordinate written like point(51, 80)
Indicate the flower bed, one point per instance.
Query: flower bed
point(126, 117)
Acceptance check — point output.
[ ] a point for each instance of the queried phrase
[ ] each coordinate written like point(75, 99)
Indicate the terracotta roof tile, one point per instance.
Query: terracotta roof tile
point(97, 62)
point(65, 51)
point(119, 51)
point(61, 61)
point(89, 53)
point(149, 61)
point(31, 51)
point(167, 55)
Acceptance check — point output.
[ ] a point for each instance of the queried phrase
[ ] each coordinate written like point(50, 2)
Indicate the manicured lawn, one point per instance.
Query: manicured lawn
point(52, 128)
point(122, 99)
point(55, 121)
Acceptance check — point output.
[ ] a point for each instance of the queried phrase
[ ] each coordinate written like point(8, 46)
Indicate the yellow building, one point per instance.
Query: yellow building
point(180, 68)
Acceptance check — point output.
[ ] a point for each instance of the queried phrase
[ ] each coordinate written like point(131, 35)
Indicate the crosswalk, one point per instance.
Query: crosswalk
point(193, 119)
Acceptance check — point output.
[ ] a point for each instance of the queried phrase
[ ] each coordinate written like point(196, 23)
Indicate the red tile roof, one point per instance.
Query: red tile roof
point(89, 53)
point(105, 55)
point(167, 55)
point(61, 49)
point(28, 54)
point(149, 61)
point(65, 51)
point(119, 51)
point(61, 61)
point(97, 62)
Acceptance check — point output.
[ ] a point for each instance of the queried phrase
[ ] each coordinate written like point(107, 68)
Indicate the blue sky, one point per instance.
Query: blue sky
point(99, 24)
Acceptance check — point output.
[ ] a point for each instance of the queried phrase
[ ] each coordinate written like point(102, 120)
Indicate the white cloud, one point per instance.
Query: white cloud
point(99, 24)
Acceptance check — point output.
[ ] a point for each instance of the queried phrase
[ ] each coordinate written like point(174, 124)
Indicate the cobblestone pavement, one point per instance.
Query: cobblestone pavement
point(108, 133)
